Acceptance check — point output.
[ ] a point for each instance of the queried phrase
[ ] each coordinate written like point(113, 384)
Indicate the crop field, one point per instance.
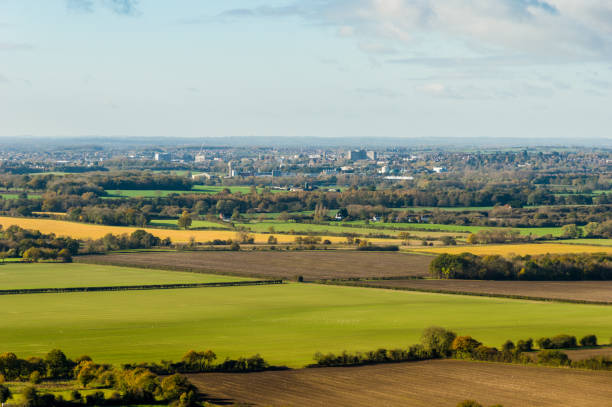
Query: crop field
point(440, 383)
point(312, 265)
point(519, 249)
point(286, 324)
point(593, 291)
point(593, 242)
point(91, 231)
point(62, 275)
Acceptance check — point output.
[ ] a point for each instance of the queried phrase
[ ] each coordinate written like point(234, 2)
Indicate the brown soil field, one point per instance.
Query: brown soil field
point(441, 383)
point(581, 354)
point(312, 265)
point(588, 291)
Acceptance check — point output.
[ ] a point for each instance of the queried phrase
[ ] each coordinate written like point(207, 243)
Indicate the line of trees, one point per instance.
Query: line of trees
point(553, 267)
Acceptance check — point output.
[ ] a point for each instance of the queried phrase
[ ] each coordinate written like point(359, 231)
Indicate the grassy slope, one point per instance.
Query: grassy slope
point(285, 324)
point(45, 275)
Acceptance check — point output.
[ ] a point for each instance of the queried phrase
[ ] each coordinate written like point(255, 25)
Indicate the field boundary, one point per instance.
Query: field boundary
point(458, 292)
point(136, 287)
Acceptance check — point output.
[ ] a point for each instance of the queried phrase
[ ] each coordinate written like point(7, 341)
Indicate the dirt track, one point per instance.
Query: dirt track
point(424, 384)
point(313, 265)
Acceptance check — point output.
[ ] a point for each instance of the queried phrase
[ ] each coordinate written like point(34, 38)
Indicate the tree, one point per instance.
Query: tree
point(272, 240)
point(571, 231)
point(464, 344)
point(588, 340)
point(185, 220)
point(65, 255)
point(58, 365)
point(5, 394)
point(437, 340)
point(33, 254)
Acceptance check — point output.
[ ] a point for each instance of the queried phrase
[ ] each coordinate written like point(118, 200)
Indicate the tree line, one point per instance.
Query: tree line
point(551, 267)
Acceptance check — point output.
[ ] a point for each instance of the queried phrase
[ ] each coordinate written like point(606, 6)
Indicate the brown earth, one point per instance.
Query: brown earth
point(588, 291)
point(441, 383)
point(581, 354)
point(313, 265)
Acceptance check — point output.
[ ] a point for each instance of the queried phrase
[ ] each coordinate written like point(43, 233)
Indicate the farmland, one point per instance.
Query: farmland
point(197, 189)
point(54, 275)
point(593, 291)
point(519, 249)
point(286, 324)
point(312, 265)
point(92, 231)
point(413, 384)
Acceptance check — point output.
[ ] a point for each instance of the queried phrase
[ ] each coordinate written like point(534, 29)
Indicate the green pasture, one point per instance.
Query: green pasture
point(197, 189)
point(286, 324)
point(16, 196)
point(61, 275)
point(173, 223)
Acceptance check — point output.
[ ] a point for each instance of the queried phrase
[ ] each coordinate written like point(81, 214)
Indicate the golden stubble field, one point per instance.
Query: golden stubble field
point(90, 231)
point(518, 249)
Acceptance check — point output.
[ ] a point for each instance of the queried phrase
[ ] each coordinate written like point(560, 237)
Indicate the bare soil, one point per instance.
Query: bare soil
point(588, 291)
point(312, 265)
point(441, 383)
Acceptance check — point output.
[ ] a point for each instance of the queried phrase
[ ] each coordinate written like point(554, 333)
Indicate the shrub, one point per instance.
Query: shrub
point(553, 358)
point(524, 345)
point(588, 340)
point(464, 344)
point(469, 403)
point(557, 342)
point(508, 346)
point(35, 377)
point(438, 340)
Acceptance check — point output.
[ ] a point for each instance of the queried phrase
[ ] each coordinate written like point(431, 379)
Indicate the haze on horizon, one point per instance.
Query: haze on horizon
point(299, 68)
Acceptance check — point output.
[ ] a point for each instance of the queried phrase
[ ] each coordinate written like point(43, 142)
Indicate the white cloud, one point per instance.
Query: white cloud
point(561, 29)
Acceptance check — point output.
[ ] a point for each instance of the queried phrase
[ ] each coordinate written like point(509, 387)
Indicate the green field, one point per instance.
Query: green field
point(173, 223)
point(286, 324)
point(284, 227)
point(16, 196)
point(62, 275)
point(197, 189)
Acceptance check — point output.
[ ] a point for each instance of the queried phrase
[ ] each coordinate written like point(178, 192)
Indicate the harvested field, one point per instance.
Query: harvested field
point(581, 354)
point(519, 249)
point(90, 231)
point(312, 265)
point(441, 383)
point(588, 291)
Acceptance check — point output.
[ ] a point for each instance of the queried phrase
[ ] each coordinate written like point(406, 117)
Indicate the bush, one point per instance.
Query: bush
point(35, 377)
point(558, 342)
point(553, 358)
point(438, 340)
point(588, 340)
point(524, 345)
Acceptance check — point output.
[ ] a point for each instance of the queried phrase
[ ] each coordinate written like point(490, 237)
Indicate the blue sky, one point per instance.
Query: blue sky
point(395, 68)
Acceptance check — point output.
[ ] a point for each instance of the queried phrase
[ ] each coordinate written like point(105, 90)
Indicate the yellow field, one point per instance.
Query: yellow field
point(519, 249)
point(90, 231)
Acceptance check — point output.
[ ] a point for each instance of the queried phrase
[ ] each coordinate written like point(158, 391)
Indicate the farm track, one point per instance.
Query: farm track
point(588, 292)
point(440, 383)
point(312, 265)
point(135, 287)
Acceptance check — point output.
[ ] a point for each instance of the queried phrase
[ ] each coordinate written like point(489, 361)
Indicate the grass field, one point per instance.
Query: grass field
point(312, 265)
point(286, 324)
point(62, 275)
point(335, 228)
point(554, 231)
point(91, 231)
point(519, 249)
point(173, 223)
point(197, 189)
point(440, 383)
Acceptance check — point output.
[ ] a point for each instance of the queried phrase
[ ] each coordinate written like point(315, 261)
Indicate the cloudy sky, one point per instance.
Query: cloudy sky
point(403, 68)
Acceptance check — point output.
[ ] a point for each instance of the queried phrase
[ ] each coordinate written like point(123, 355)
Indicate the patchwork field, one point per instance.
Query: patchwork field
point(442, 383)
point(312, 265)
point(519, 249)
point(62, 275)
point(91, 231)
point(197, 189)
point(286, 324)
point(594, 291)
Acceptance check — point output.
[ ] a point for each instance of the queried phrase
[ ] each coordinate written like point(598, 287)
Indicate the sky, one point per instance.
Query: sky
point(306, 68)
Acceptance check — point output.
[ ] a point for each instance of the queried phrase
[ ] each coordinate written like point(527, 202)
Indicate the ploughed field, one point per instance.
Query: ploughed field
point(312, 265)
point(64, 275)
point(286, 324)
point(440, 383)
point(588, 291)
